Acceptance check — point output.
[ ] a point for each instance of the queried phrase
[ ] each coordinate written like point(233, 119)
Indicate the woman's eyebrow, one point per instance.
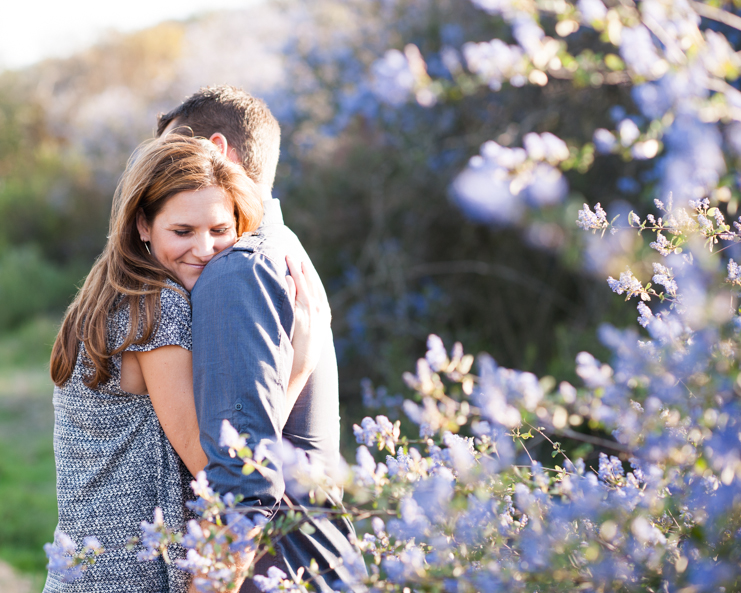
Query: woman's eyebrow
point(191, 226)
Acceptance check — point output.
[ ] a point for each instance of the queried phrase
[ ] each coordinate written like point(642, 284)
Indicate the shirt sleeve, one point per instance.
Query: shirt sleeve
point(173, 326)
point(242, 359)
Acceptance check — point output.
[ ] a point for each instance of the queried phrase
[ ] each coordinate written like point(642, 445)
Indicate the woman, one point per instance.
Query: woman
point(126, 435)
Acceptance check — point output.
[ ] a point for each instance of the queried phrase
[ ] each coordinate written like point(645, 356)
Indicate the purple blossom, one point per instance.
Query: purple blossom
point(194, 536)
point(482, 190)
point(610, 469)
point(594, 374)
point(639, 52)
point(496, 62)
point(243, 528)
point(734, 272)
point(154, 537)
point(380, 432)
point(413, 522)
point(353, 562)
point(555, 149)
point(646, 533)
point(628, 131)
point(589, 220)
point(548, 186)
point(412, 465)
point(367, 473)
point(193, 563)
point(304, 474)
point(63, 559)
point(628, 284)
point(436, 355)
point(662, 245)
point(646, 314)
point(592, 11)
point(494, 6)
point(277, 581)
point(405, 566)
point(693, 162)
point(604, 141)
point(527, 33)
point(393, 79)
point(230, 437)
point(653, 99)
point(459, 453)
point(200, 486)
point(665, 277)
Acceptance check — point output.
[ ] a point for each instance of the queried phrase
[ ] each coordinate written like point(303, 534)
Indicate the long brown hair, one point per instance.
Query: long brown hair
point(156, 171)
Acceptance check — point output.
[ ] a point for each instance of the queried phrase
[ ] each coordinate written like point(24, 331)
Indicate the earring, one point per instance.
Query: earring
point(146, 246)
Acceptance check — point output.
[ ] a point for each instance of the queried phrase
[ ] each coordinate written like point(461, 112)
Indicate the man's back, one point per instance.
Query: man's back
point(242, 323)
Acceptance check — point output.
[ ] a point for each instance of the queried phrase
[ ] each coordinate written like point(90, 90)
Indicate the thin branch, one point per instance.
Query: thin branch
point(545, 436)
point(677, 55)
point(592, 440)
point(716, 14)
point(526, 451)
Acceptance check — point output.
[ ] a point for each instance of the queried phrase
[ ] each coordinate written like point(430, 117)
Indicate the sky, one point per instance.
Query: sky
point(31, 30)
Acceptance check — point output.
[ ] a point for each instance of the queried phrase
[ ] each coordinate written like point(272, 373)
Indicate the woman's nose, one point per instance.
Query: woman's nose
point(204, 245)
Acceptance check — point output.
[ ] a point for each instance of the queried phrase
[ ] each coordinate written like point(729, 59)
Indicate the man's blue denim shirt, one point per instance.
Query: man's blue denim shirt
point(242, 357)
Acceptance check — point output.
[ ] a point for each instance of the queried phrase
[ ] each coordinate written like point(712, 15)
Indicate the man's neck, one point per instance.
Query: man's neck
point(264, 191)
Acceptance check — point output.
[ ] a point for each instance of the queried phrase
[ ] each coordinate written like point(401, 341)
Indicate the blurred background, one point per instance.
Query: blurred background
point(365, 184)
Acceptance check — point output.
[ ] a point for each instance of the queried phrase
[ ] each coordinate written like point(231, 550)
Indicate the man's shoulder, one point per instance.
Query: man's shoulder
point(272, 242)
point(263, 250)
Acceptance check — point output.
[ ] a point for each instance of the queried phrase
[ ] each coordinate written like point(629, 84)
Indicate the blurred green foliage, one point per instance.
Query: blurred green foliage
point(31, 284)
point(28, 509)
point(28, 512)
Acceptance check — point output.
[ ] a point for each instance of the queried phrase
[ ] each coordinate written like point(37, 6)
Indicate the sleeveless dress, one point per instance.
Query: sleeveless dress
point(115, 465)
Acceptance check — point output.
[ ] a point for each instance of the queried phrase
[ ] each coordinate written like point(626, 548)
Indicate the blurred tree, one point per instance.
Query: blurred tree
point(370, 175)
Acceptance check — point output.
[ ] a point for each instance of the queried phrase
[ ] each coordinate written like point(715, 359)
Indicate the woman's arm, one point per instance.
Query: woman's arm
point(168, 374)
point(168, 371)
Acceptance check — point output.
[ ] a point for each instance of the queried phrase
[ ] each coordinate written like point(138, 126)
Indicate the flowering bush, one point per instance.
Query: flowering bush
point(460, 503)
point(462, 506)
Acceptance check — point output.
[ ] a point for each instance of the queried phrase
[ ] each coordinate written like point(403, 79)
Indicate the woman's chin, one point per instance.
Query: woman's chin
point(189, 281)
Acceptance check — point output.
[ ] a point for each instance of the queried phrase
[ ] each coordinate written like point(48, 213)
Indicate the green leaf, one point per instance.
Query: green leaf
point(614, 62)
point(307, 528)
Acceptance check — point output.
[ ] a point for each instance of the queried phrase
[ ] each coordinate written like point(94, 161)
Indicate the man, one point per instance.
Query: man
point(242, 354)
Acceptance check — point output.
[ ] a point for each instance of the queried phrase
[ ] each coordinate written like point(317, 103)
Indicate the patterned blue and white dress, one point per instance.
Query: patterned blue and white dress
point(115, 465)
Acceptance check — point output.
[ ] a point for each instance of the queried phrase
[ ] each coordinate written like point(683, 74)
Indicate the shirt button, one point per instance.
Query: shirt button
point(237, 406)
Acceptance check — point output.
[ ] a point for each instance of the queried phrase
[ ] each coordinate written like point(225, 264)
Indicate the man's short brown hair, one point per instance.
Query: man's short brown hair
point(245, 121)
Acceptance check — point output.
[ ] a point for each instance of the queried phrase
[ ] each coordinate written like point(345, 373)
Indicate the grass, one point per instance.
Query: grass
point(28, 509)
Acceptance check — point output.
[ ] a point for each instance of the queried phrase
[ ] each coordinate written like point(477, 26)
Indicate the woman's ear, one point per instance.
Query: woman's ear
point(142, 226)
point(228, 151)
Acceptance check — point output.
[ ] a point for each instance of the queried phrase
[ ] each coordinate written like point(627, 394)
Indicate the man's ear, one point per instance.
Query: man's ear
point(142, 226)
point(228, 151)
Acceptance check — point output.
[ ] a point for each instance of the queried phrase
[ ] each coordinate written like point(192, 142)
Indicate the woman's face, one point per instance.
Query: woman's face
point(191, 228)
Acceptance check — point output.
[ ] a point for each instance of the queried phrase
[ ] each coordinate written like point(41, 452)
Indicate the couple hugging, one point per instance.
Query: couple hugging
point(158, 348)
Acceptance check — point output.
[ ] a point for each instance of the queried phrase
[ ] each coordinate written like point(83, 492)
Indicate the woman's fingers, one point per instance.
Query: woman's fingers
point(291, 290)
point(310, 297)
point(315, 289)
point(302, 290)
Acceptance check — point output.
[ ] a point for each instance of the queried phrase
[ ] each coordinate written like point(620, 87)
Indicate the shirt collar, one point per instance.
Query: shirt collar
point(272, 212)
